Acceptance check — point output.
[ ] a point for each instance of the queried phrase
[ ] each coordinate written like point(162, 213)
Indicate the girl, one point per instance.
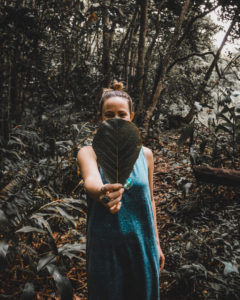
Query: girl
point(123, 250)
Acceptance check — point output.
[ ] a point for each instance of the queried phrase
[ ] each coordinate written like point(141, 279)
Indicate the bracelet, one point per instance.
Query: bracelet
point(105, 199)
point(102, 190)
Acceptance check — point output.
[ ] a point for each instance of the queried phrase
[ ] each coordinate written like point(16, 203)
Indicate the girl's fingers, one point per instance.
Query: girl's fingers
point(116, 194)
point(114, 209)
point(113, 192)
point(114, 202)
point(162, 260)
point(112, 187)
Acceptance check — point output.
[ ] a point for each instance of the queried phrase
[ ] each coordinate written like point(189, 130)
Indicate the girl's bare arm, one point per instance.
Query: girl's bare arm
point(93, 182)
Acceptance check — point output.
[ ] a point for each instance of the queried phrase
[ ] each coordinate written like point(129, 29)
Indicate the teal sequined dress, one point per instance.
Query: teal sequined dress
point(122, 255)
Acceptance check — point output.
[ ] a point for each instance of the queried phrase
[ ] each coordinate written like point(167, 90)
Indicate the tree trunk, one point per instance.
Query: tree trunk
point(127, 51)
point(128, 55)
point(106, 65)
point(149, 51)
point(141, 54)
point(128, 33)
point(165, 64)
point(13, 89)
point(217, 175)
point(199, 96)
point(132, 69)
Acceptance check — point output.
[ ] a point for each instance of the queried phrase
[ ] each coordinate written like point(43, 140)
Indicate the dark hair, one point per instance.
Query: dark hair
point(116, 90)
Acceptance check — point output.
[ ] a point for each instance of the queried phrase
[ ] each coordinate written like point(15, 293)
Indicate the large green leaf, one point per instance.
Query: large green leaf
point(117, 144)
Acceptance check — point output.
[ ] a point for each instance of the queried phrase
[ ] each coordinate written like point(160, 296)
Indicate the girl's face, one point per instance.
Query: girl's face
point(116, 107)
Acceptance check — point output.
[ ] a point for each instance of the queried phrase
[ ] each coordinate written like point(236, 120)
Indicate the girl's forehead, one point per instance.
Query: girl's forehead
point(116, 102)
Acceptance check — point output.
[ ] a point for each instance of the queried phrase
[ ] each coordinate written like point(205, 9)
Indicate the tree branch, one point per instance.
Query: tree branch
point(132, 24)
point(189, 56)
point(221, 74)
point(191, 22)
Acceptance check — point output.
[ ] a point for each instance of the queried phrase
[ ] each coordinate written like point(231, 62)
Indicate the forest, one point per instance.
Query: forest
point(56, 56)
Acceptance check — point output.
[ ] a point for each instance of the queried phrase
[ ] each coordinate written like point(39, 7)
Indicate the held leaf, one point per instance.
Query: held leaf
point(117, 144)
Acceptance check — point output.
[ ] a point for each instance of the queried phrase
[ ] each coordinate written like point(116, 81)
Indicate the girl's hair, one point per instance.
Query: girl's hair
point(115, 90)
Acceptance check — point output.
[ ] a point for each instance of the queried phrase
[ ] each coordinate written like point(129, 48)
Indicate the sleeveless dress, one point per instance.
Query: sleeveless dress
point(122, 255)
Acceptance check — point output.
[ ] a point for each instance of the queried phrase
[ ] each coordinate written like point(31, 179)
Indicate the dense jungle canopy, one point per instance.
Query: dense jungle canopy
point(61, 51)
point(55, 58)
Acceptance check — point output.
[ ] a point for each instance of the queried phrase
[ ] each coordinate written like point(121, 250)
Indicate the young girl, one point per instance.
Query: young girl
point(123, 250)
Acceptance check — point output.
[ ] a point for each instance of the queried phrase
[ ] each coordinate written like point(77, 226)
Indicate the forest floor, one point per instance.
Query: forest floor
point(198, 228)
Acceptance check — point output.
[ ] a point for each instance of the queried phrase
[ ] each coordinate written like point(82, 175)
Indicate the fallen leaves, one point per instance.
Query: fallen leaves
point(191, 228)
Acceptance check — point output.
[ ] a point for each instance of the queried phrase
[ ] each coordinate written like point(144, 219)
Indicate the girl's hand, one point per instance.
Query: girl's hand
point(161, 257)
point(113, 192)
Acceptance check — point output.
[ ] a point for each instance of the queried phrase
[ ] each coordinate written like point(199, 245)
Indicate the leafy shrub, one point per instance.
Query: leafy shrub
point(42, 205)
point(217, 144)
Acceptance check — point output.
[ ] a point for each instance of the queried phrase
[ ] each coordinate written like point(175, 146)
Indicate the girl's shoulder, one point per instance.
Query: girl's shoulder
point(147, 151)
point(148, 155)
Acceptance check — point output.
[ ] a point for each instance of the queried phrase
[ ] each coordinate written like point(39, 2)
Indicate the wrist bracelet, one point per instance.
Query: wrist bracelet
point(105, 199)
point(103, 190)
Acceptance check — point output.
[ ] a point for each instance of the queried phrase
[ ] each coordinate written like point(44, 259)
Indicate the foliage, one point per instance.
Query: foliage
point(53, 50)
point(228, 129)
point(40, 206)
point(219, 145)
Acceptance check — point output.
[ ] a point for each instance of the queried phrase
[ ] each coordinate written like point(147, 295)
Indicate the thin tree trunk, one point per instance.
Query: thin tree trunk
point(128, 33)
point(8, 121)
point(151, 46)
point(106, 66)
point(224, 71)
point(199, 96)
point(214, 62)
point(13, 89)
point(132, 68)
point(165, 64)
point(128, 55)
point(141, 54)
point(149, 51)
